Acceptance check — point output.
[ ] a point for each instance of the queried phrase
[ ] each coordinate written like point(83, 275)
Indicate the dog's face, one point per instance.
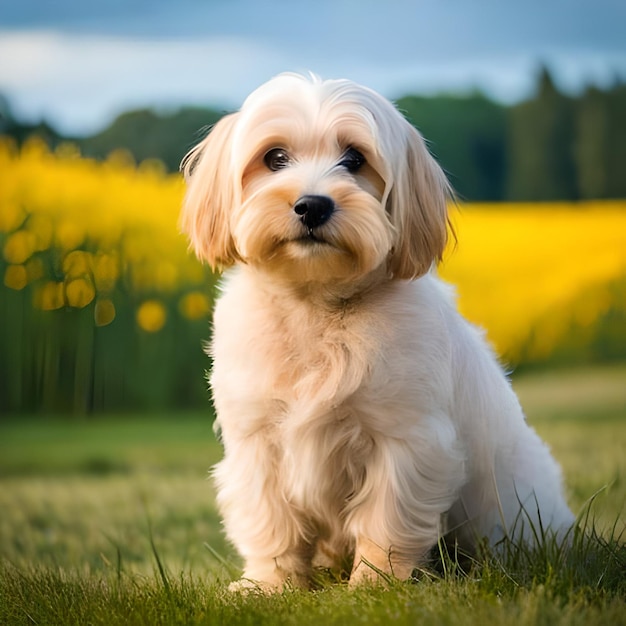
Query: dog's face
point(316, 181)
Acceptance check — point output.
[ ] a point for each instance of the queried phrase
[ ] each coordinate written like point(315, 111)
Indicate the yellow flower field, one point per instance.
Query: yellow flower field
point(516, 265)
point(77, 235)
point(77, 230)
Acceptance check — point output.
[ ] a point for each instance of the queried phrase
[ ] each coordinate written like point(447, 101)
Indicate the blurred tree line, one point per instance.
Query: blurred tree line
point(549, 147)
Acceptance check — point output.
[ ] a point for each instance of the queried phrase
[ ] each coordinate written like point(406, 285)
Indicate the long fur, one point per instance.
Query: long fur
point(362, 417)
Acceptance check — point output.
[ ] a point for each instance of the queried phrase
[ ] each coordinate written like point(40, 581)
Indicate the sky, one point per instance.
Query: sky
point(79, 63)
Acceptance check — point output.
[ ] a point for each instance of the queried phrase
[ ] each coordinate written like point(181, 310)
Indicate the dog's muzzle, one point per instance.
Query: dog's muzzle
point(314, 210)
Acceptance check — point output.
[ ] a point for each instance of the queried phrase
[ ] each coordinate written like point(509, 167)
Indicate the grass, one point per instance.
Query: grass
point(112, 444)
point(111, 520)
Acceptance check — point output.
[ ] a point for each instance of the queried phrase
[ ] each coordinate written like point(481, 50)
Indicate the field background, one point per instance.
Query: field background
point(75, 491)
point(111, 520)
point(105, 425)
point(103, 308)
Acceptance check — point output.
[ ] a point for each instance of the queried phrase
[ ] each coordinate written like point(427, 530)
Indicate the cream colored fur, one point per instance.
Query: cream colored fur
point(362, 417)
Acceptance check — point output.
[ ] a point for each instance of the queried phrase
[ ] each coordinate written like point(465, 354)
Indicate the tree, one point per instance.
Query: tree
point(592, 144)
point(616, 161)
point(541, 146)
point(467, 136)
point(148, 134)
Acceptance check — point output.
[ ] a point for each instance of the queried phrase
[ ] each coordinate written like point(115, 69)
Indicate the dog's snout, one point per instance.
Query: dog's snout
point(314, 210)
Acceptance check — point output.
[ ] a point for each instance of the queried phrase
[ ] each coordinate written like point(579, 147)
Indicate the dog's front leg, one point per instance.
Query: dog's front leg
point(373, 562)
point(409, 486)
point(272, 575)
point(258, 519)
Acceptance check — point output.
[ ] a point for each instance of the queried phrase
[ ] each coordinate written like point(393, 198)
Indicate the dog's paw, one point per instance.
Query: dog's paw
point(249, 586)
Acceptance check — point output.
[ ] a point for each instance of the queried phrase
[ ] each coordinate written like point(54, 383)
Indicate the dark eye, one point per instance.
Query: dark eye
point(352, 160)
point(276, 159)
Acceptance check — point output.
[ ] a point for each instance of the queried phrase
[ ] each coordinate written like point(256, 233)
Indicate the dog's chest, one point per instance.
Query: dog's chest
point(323, 360)
point(277, 364)
point(300, 376)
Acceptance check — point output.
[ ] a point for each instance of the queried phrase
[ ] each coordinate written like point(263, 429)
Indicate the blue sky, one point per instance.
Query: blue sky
point(78, 63)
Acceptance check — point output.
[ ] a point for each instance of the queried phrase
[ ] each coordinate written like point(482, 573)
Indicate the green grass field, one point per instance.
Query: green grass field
point(111, 520)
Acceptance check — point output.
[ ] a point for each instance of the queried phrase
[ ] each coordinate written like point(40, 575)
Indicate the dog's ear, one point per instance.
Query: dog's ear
point(210, 196)
point(418, 206)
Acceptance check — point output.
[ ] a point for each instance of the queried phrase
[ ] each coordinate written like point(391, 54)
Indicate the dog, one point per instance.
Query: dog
point(362, 417)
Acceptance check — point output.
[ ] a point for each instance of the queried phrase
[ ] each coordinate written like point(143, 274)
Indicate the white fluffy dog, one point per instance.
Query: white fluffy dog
point(362, 417)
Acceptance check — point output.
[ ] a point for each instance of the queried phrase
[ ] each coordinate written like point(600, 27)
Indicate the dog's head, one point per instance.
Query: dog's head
point(316, 180)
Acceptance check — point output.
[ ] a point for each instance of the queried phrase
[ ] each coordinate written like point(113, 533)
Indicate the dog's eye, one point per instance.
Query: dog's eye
point(352, 160)
point(276, 158)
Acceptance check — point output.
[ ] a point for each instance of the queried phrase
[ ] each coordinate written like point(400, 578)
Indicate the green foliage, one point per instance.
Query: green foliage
point(541, 160)
point(467, 136)
point(102, 307)
point(108, 446)
point(140, 543)
point(148, 134)
point(474, 599)
point(11, 127)
point(601, 143)
point(549, 147)
point(63, 362)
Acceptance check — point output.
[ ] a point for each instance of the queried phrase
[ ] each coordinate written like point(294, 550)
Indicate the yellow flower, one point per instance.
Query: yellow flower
point(121, 159)
point(194, 305)
point(106, 271)
point(151, 316)
point(11, 217)
point(522, 269)
point(165, 276)
point(19, 246)
point(152, 167)
point(80, 292)
point(16, 277)
point(104, 312)
point(77, 263)
point(67, 150)
point(69, 235)
point(41, 227)
point(527, 273)
point(49, 296)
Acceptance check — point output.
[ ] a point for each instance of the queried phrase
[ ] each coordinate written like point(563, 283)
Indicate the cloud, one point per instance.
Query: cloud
point(76, 79)
point(79, 82)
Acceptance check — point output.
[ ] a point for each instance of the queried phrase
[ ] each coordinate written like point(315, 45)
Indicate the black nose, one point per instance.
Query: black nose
point(314, 210)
